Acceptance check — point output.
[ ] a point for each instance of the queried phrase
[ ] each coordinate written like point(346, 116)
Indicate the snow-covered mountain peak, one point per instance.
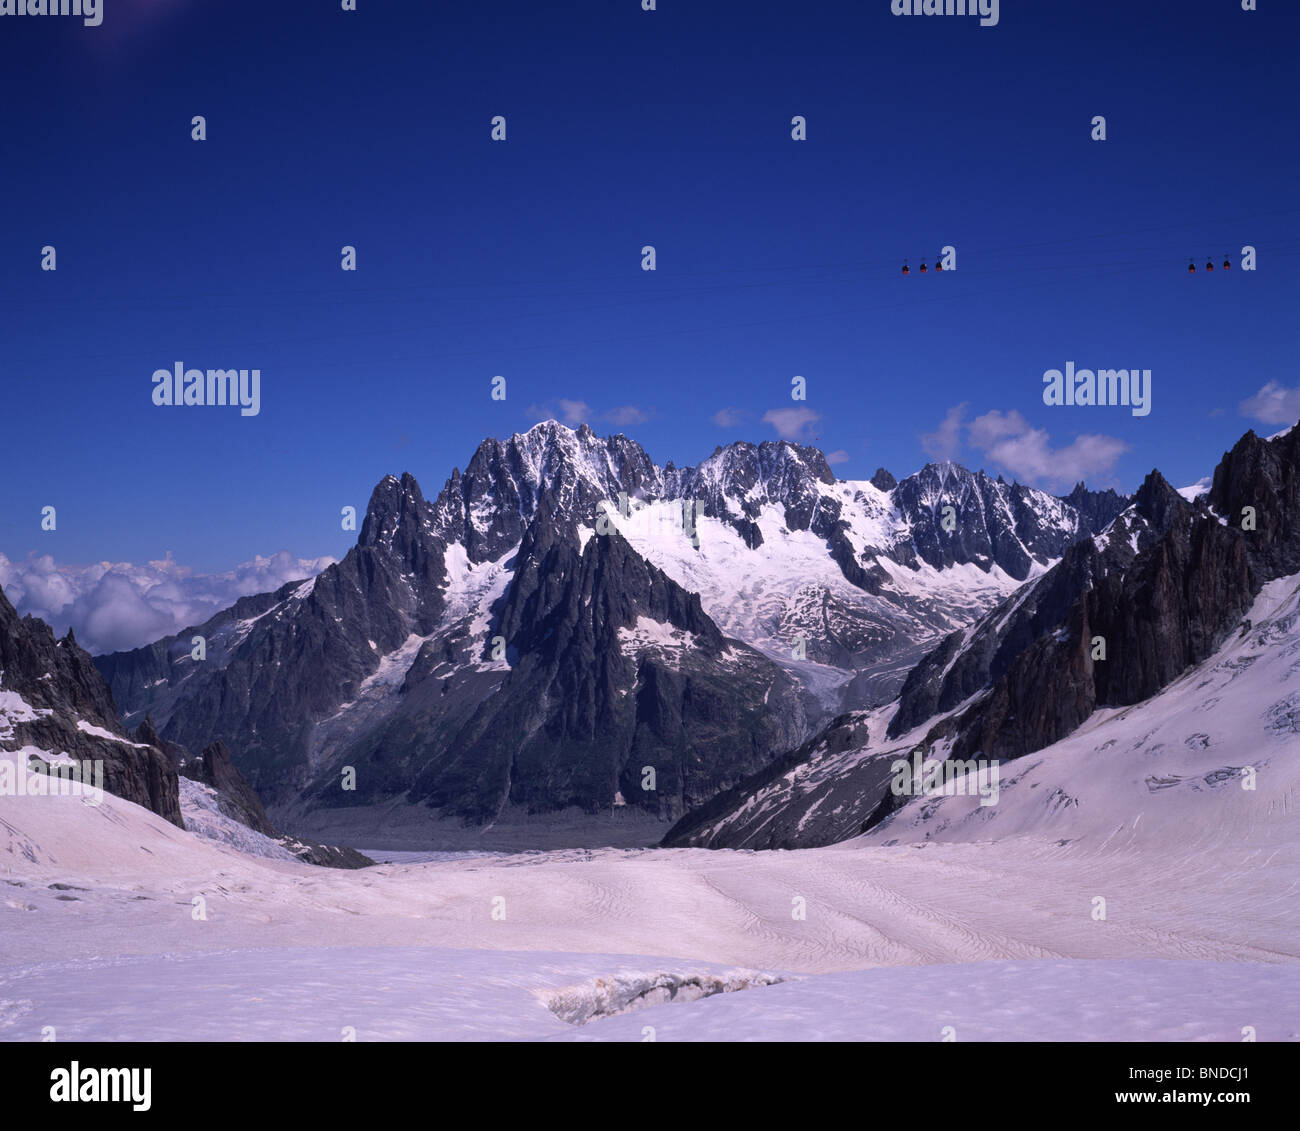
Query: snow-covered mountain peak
point(941, 471)
point(560, 560)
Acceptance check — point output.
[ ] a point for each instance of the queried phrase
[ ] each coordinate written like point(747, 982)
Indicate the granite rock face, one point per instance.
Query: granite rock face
point(612, 668)
point(53, 698)
point(275, 664)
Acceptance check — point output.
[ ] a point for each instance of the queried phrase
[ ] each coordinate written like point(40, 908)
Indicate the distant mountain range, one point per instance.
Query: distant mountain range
point(1114, 623)
point(568, 622)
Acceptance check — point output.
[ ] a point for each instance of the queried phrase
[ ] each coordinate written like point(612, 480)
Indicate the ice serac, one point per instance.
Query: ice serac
point(216, 768)
point(1118, 619)
point(54, 700)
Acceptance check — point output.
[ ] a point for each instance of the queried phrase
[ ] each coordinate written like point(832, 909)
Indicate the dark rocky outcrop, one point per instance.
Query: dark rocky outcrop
point(59, 682)
point(1263, 475)
point(780, 825)
point(236, 799)
point(267, 678)
point(1096, 509)
point(581, 713)
point(968, 661)
point(1158, 612)
point(325, 855)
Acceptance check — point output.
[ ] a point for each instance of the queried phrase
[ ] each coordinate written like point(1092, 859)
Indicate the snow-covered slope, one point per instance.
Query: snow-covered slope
point(109, 915)
point(791, 600)
point(1216, 755)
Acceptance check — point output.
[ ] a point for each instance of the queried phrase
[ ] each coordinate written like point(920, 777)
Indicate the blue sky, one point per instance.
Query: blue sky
point(476, 258)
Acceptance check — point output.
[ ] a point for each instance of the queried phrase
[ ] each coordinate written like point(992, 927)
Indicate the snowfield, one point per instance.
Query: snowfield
point(423, 994)
point(100, 939)
point(794, 586)
point(1126, 886)
point(1215, 756)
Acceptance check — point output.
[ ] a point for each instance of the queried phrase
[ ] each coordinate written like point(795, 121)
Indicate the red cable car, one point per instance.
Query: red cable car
point(938, 263)
point(1227, 263)
point(906, 270)
point(923, 267)
point(1209, 264)
point(1191, 267)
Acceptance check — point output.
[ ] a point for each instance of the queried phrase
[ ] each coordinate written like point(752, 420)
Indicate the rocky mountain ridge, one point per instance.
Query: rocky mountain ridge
point(567, 614)
point(54, 704)
point(1116, 620)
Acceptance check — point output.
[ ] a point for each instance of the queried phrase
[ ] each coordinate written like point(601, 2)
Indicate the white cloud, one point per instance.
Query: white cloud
point(1008, 441)
point(112, 606)
point(791, 423)
point(626, 415)
point(945, 441)
point(1273, 404)
point(840, 456)
point(987, 430)
point(574, 412)
point(729, 418)
point(1030, 457)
